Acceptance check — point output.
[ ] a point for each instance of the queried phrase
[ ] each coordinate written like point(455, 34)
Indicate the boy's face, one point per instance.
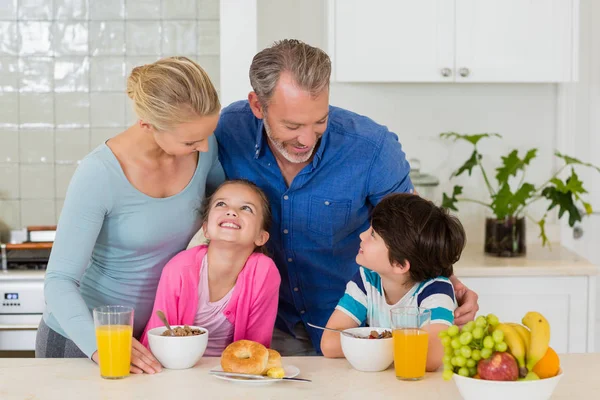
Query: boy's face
point(373, 253)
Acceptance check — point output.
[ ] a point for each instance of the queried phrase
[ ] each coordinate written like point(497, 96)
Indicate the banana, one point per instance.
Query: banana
point(516, 345)
point(523, 332)
point(540, 337)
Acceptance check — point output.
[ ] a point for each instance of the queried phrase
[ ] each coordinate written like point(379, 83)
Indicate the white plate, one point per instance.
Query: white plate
point(291, 371)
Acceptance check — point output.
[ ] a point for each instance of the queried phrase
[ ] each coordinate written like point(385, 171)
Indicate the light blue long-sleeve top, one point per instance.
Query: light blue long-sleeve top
point(113, 241)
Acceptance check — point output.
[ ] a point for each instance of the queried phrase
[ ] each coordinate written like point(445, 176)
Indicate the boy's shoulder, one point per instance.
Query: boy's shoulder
point(440, 285)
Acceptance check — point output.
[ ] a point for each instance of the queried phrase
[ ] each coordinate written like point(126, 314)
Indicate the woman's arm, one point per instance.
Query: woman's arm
point(86, 205)
point(331, 346)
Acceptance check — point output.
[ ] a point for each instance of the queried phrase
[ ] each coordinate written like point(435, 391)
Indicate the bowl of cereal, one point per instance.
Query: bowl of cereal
point(368, 349)
point(181, 351)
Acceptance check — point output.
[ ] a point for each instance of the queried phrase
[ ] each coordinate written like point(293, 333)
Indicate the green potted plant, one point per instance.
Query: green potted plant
point(511, 195)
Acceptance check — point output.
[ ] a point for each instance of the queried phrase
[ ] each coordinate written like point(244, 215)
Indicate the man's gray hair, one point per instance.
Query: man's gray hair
point(309, 66)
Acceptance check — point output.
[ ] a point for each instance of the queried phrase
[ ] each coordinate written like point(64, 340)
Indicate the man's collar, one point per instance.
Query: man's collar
point(258, 142)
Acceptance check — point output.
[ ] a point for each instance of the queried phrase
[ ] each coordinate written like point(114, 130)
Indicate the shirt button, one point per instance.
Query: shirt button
point(302, 312)
point(285, 197)
point(285, 231)
point(290, 260)
point(296, 289)
point(327, 203)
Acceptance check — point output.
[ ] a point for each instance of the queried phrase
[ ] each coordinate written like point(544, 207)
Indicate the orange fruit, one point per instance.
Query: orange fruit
point(548, 366)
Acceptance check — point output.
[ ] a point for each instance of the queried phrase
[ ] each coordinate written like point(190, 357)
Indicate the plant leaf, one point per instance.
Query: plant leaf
point(565, 203)
point(473, 139)
point(450, 202)
point(572, 160)
point(469, 164)
point(512, 164)
point(505, 203)
point(587, 207)
point(542, 224)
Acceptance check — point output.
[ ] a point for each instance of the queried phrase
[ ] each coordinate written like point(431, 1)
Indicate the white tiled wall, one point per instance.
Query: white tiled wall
point(63, 69)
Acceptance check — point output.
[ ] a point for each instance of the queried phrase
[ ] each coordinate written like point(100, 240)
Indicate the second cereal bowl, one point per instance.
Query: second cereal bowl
point(177, 352)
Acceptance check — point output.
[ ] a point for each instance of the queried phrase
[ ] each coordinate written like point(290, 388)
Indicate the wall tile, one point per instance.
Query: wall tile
point(8, 10)
point(9, 145)
point(35, 9)
point(108, 110)
point(9, 74)
point(38, 212)
point(72, 145)
point(36, 146)
point(59, 203)
point(71, 9)
point(211, 64)
point(64, 173)
point(36, 110)
point(10, 213)
point(142, 9)
point(143, 38)
point(107, 38)
point(130, 115)
point(9, 38)
point(208, 38)
point(9, 181)
point(183, 9)
point(9, 109)
point(72, 74)
point(179, 38)
point(35, 38)
point(70, 38)
point(72, 110)
point(101, 135)
point(37, 181)
point(36, 74)
point(208, 9)
point(108, 74)
point(107, 10)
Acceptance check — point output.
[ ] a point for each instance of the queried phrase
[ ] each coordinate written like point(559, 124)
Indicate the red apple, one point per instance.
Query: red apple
point(499, 367)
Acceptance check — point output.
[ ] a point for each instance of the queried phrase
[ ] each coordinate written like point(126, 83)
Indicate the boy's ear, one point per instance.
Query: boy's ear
point(262, 238)
point(401, 268)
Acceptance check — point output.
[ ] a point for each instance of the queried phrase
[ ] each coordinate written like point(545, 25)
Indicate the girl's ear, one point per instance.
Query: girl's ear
point(262, 238)
point(401, 268)
point(205, 230)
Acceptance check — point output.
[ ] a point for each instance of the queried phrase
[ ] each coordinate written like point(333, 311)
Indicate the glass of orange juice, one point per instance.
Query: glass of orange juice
point(114, 329)
point(410, 333)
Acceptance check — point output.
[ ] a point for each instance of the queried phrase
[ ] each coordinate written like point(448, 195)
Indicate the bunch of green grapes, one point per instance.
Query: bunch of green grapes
point(463, 348)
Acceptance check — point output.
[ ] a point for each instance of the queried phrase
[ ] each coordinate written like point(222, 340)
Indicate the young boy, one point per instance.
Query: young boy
point(406, 258)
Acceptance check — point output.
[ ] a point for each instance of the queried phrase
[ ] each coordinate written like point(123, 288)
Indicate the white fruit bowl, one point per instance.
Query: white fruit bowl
point(177, 352)
point(368, 355)
point(477, 389)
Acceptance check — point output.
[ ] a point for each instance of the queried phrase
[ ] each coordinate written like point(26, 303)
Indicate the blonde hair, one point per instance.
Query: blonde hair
point(171, 91)
point(309, 66)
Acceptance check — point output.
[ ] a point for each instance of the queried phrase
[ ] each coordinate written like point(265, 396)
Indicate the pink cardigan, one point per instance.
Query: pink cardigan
point(252, 308)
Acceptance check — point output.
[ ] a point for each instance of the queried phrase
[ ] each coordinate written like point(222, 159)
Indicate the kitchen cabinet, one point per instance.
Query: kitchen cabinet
point(453, 40)
point(555, 282)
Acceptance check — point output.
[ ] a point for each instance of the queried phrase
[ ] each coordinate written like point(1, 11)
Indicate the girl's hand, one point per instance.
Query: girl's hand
point(142, 359)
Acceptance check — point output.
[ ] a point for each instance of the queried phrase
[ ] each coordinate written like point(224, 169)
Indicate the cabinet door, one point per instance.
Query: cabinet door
point(516, 40)
point(564, 301)
point(391, 40)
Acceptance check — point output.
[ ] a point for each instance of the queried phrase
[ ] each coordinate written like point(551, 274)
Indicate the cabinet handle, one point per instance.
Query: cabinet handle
point(464, 72)
point(446, 72)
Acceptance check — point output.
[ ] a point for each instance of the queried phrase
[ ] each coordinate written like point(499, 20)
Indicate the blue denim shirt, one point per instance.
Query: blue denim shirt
point(318, 218)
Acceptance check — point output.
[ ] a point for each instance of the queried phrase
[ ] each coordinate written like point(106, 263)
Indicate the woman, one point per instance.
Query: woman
point(131, 206)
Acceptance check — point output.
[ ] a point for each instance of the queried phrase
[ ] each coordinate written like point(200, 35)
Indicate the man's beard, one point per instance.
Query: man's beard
point(280, 146)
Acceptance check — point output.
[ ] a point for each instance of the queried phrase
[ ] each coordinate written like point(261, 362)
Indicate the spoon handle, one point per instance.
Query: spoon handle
point(163, 318)
point(334, 330)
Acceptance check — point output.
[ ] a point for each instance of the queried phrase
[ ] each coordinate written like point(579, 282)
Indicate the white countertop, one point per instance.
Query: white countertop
point(539, 261)
point(76, 379)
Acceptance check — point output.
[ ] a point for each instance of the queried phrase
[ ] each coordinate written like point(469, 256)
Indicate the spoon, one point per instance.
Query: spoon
point(336, 330)
point(162, 317)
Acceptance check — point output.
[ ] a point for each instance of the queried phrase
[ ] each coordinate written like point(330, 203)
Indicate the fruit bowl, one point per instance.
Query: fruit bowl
point(477, 389)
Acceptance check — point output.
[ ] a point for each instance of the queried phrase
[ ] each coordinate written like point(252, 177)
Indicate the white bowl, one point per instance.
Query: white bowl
point(368, 355)
point(477, 389)
point(179, 352)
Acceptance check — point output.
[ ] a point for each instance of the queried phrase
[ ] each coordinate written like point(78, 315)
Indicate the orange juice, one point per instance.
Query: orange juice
point(114, 350)
point(410, 352)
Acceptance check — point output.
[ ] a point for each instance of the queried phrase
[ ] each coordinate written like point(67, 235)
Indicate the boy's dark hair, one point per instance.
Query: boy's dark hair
point(266, 206)
point(416, 230)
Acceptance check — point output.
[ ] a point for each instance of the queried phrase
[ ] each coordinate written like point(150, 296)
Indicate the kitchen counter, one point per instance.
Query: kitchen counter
point(539, 261)
point(74, 379)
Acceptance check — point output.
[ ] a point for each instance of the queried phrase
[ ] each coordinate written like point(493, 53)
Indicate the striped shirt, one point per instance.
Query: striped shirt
point(364, 300)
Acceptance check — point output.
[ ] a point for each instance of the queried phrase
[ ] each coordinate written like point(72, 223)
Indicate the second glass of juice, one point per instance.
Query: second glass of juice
point(114, 330)
point(411, 338)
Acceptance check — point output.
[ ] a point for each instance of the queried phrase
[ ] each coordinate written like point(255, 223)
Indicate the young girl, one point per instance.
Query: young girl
point(228, 286)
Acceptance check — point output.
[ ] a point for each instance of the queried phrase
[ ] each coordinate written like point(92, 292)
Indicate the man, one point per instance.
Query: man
point(323, 169)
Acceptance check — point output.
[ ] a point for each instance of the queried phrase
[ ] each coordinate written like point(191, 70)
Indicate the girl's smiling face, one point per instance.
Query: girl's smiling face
point(236, 216)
